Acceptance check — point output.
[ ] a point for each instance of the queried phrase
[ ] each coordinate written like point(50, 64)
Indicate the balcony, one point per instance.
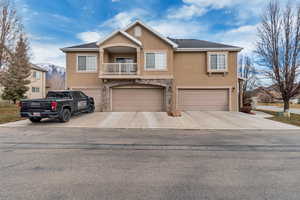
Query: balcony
point(119, 69)
point(119, 62)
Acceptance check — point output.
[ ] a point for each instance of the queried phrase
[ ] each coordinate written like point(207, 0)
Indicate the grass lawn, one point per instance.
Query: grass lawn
point(294, 120)
point(9, 113)
point(279, 105)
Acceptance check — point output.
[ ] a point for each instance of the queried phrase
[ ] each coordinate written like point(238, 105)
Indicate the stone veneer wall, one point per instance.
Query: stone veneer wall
point(165, 83)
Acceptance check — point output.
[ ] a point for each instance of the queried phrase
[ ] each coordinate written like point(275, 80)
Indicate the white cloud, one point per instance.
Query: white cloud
point(48, 53)
point(176, 28)
point(186, 12)
point(90, 36)
point(122, 19)
point(244, 36)
point(115, 0)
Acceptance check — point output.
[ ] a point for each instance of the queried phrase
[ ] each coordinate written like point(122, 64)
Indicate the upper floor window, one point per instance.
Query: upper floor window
point(35, 89)
point(217, 61)
point(36, 75)
point(86, 63)
point(155, 61)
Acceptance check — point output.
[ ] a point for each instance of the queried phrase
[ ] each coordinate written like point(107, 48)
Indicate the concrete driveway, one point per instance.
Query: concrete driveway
point(189, 120)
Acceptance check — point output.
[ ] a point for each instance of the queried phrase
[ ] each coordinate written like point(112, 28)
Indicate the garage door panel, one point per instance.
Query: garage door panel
point(203, 99)
point(96, 94)
point(137, 99)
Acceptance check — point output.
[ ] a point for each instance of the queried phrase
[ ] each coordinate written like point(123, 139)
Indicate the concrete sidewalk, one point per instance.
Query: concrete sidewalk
point(278, 109)
point(160, 120)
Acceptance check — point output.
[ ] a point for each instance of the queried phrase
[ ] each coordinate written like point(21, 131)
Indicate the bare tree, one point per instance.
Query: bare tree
point(249, 73)
point(10, 28)
point(278, 48)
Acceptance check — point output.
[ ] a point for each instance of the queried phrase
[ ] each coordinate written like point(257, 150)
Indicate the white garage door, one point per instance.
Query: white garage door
point(137, 99)
point(95, 93)
point(203, 99)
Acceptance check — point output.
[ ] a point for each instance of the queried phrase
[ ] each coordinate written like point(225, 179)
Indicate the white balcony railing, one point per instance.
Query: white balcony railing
point(119, 68)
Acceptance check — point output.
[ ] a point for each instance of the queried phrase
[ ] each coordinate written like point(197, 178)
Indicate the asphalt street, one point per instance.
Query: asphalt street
point(83, 163)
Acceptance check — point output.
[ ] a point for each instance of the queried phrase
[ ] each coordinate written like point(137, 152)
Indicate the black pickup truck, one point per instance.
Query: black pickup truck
point(57, 104)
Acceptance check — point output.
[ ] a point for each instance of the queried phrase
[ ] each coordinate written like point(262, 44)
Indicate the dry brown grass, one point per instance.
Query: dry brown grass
point(294, 120)
point(9, 113)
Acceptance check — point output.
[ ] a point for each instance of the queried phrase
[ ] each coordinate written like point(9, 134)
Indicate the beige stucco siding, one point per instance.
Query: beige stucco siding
point(153, 43)
point(118, 39)
point(81, 79)
point(37, 83)
point(191, 72)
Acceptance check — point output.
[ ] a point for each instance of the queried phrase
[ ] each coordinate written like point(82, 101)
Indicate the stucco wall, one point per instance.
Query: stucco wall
point(191, 71)
point(153, 43)
point(81, 79)
point(39, 83)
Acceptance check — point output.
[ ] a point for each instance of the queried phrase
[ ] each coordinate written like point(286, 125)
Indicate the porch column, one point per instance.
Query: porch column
point(138, 60)
point(101, 61)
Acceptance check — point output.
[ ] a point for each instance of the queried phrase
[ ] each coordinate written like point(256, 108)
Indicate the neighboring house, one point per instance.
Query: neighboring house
point(295, 100)
point(138, 69)
point(37, 86)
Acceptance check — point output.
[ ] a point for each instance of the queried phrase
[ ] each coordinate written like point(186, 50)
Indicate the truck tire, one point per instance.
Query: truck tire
point(91, 109)
point(65, 115)
point(35, 119)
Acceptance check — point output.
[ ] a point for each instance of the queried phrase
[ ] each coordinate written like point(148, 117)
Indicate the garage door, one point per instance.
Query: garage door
point(137, 99)
point(95, 93)
point(204, 99)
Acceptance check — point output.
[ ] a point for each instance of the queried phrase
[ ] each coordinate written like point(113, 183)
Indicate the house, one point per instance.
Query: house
point(295, 100)
point(138, 69)
point(37, 86)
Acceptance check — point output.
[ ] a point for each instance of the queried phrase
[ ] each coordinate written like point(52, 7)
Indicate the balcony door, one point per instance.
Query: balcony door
point(124, 60)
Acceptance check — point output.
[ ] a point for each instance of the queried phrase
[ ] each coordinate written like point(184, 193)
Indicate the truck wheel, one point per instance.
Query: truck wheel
point(91, 109)
point(65, 115)
point(35, 119)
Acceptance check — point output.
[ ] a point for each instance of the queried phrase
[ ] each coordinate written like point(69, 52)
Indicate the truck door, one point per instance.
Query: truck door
point(81, 101)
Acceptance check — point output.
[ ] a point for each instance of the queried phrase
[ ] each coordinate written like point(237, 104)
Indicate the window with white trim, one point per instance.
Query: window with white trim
point(86, 63)
point(36, 75)
point(217, 61)
point(155, 61)
point(35, 89)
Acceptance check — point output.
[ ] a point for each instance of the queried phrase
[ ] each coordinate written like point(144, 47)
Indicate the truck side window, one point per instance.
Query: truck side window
point(77, 95)
point(82, 95)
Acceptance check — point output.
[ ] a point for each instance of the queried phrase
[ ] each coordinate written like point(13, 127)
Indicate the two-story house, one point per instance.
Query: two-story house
point(138, 69)
point(37, 85)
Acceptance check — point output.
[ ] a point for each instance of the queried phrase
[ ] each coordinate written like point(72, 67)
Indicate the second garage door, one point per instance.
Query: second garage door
point(137, 99)
point(203, 99)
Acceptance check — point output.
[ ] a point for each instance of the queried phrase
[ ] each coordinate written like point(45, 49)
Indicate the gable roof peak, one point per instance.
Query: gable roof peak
point(173, 44)
point(123, 33)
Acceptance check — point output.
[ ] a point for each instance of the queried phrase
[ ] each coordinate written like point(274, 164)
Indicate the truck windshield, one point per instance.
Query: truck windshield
point(59, 95)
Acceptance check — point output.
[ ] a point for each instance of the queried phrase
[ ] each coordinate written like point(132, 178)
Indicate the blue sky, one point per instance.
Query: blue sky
point(52, 24)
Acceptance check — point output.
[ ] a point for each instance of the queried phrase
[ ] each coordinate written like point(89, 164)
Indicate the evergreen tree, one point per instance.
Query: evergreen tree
point(16, 77)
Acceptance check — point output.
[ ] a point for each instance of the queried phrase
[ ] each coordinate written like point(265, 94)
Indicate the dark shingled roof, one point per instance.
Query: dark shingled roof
point(193, 43)
point(87, 45)
point(182, 43)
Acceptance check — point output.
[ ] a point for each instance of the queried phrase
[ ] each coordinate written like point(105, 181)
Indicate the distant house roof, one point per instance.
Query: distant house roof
point(38, 68)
